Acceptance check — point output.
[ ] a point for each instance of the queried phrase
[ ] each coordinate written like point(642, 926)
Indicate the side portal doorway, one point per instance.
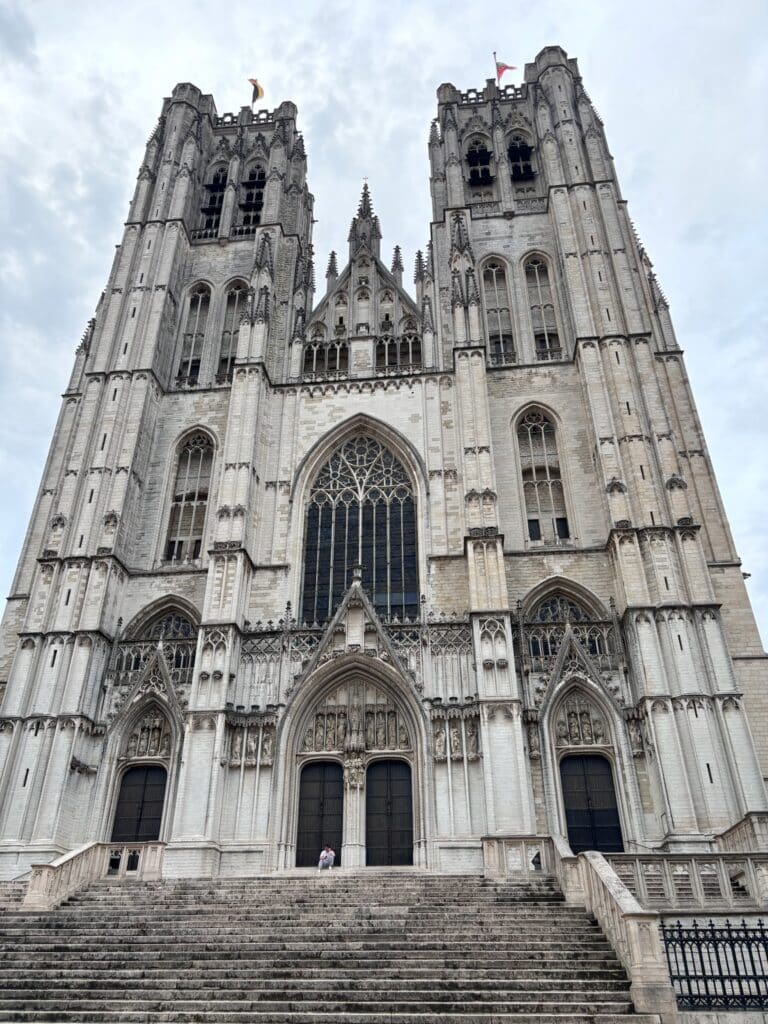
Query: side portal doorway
point(591, 811)
point(139, 810)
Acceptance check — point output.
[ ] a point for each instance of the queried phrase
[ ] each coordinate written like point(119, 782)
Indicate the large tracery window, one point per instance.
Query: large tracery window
point(326, 359)
point(542, 484)
point(194, 335)
point(362, 511)
point(498, 314)
point(190, 499)
point(233, 313)
point(542, 306)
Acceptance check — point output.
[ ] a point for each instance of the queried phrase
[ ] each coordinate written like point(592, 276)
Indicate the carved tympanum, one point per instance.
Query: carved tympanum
point(355, 717)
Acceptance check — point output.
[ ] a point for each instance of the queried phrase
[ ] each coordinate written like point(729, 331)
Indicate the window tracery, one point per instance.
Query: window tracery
point(542, 484)
point(362, 511)
point(498, 314)
point(193, 338)
point(520, 154)
point(252, 200)
point(190, 499)
point(479, 164)
point(237, 296)
point(326, 359)
point(213, 201)
point(542, 306)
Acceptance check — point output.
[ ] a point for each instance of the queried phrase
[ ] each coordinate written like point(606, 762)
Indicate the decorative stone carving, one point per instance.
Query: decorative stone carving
point(250, 742)
point(150, 737)
point(356, 717)
point(354, 772)
point(455, 732)
point(579, 724)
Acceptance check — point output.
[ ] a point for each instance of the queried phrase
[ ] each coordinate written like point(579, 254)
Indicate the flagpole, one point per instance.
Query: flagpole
point(495, 68)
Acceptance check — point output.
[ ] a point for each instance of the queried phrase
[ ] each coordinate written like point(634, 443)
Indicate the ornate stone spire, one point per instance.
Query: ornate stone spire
point(364, 233)
point(332, 272)
point(418, 269)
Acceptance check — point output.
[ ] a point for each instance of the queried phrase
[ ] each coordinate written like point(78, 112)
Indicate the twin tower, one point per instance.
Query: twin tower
point(425, 575)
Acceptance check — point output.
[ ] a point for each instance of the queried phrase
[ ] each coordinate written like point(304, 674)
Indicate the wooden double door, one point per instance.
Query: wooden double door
point(388, 813)
point(591, 810)
point(139, 812)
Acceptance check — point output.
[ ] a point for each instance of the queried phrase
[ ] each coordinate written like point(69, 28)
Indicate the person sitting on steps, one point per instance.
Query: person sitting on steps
point(327, 857)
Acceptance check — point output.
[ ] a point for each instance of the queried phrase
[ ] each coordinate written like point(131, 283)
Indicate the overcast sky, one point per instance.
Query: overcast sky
point(681, 87)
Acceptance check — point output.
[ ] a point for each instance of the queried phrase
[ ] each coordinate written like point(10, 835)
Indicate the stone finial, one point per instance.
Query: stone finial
point(364, 232)
point(333, 270)
point(434, 134)
point(397, 265)
point(365, 209)
point(418, 269)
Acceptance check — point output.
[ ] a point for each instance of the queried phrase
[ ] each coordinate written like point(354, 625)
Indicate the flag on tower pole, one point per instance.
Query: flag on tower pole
point(501, 67)
point(258, 92)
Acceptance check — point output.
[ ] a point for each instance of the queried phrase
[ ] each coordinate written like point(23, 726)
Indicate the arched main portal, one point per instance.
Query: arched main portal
point(388, 814)
point(139, 811)
point(589, 798)
point(321, 812)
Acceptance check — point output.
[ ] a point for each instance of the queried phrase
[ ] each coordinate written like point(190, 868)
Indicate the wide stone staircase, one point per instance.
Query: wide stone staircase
point(361, 948)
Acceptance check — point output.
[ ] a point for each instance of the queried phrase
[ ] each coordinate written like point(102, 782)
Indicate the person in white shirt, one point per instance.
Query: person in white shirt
point(327, 857)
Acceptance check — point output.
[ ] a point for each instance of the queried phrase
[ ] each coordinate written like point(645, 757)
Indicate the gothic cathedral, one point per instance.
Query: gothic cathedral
point(409, 573)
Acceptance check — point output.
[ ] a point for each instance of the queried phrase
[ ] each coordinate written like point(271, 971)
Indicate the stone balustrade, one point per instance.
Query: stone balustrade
point(51, 884)
point(747, 835)
point(513, 856)
point(713, 882)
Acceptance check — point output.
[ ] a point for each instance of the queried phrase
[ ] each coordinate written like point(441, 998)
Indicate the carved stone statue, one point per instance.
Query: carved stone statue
point(534, 748)
point(402, 737)
point(309, 737)
point(472, 738)
point(133, 742)
point(440, 740)
point(586, 727)
point(562, 733)
point(341, 729)
point(330, 732)
point(319, 732)
point(392, 730)
point(267, 744)
point(252, 745)
point(370, 736)
point(381, 731)
point(455, 739)
point(237, 744)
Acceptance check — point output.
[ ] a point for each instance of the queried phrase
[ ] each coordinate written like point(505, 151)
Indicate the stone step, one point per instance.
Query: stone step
point(222, 1006)
point(302, 1017)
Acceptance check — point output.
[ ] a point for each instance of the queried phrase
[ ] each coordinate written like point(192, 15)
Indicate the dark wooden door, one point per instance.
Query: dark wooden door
point(140, 805)
point(591, 812)
point(321, 809)
point(388, 814)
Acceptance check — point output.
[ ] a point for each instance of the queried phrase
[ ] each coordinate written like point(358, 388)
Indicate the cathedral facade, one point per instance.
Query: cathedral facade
point(406, 573)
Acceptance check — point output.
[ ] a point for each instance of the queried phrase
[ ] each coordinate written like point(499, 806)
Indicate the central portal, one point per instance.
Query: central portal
point(388, 814)
point(321, 802)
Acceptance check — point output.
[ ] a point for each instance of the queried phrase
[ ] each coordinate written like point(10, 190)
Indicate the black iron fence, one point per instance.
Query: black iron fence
point(720, 965)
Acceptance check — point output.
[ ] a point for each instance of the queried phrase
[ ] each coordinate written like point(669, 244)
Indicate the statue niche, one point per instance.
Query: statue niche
point(150, 737)
point(355, 717)
point(578, 723)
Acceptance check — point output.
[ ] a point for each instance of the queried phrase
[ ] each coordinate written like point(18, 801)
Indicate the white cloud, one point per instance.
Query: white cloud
point(680, 87)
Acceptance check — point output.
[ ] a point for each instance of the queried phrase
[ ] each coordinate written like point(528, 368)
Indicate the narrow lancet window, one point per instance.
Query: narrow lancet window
point(545, 336)
point(233, 313)
point(194, 335)
point(479, 164)
point(498, 314)
point(190, 500)
point(542, 484)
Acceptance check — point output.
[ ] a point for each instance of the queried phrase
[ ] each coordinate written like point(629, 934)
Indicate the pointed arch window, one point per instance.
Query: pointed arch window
point(190, 499)
point(542, 305)
point(362, 511)
point(193, 338)
point(479, 164)
point(542, 484)
point(213, 201)
point(498, 314)
point(546, 625)
point(234, 308)
point(251, 200)
point(520, 155)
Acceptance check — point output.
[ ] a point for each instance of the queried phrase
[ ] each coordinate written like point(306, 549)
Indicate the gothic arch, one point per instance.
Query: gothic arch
point(170, 479)
point(168, 604)
point(151, 698)
point(568, 587)
point(560, 435)
point(588, 696)
point(351, 680)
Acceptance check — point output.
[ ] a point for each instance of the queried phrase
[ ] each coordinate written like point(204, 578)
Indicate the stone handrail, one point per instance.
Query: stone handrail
point(568, 870)
point(700, 881)
point(505, 856)
point(748, 835)
point(51, 884)
point(632, 932)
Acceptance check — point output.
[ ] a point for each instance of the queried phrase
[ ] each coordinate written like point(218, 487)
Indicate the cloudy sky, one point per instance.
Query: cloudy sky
point(681, 86)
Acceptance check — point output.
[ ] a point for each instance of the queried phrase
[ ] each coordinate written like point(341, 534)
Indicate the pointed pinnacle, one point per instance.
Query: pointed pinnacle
point(418, 270)
point(365, 208)
point(332, 270)
point(397, 260)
